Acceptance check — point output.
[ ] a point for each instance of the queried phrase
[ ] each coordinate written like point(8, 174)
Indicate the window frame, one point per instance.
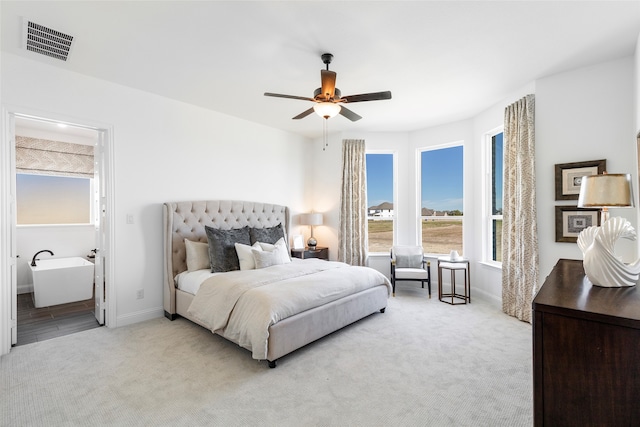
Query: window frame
point(394, 154)
point(419, 151)
point(489, 216)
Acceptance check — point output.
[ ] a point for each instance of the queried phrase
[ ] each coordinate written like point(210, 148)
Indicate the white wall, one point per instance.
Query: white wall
point(581, 115)
point(327, 178)
point(166, 150)
point(636, 102)
point(324, 170)
point(163, 151)
point(636, 82)
point(585, 114)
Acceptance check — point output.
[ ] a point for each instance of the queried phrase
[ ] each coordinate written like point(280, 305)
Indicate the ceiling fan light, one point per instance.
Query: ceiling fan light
point(326, 109)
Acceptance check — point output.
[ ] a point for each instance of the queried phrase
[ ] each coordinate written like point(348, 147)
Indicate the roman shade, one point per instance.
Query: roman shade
point(46, 157)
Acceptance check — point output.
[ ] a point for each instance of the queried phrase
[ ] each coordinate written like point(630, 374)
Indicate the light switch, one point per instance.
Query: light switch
point(129, 219)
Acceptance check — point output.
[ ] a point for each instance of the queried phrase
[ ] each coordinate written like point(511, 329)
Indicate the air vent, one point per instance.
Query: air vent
point(46, 41)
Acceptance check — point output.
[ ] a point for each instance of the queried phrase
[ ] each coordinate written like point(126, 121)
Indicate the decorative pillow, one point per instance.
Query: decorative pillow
point(265, 258)
point(266, 235)
point(197, 255)
point(245, 256)
point(222, 250)
point(409, 261)
point(280, 247)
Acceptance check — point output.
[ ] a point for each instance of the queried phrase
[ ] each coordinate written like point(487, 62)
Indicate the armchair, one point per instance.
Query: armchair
point(408, 263)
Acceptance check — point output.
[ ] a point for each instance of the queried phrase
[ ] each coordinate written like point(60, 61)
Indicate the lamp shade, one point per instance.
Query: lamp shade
point(326, 109)
point(608, 190)
point(311, 219)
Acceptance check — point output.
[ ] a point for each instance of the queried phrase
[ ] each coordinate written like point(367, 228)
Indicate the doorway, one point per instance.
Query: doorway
point(87, 239)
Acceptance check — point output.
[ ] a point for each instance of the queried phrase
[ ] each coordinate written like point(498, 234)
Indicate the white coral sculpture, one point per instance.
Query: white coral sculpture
point(602, 266)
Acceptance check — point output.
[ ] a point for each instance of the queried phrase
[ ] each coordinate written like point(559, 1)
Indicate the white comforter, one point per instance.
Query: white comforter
point(241, 305)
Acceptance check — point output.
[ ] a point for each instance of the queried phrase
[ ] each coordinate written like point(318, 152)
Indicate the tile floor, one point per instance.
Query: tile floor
point(39, 324)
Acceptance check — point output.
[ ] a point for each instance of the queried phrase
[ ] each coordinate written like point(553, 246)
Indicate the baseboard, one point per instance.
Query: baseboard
point(24, 288)
point(139, 316)
point(484, 296)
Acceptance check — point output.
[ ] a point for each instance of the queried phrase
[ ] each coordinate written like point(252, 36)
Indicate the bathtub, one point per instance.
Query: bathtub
point(61, 280)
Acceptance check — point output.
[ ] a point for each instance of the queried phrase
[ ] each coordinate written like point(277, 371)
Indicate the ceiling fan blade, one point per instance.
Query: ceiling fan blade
point(278, 95)
point(349, 114)
point(375, 96)
point(328, 83)
point(303, 114)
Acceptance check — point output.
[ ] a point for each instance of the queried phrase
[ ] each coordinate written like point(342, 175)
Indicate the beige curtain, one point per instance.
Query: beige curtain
point(519, 226)
point(352, 238)
point(45, 157)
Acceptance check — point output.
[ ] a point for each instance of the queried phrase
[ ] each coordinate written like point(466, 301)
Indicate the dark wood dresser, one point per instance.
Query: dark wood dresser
point(586, 351)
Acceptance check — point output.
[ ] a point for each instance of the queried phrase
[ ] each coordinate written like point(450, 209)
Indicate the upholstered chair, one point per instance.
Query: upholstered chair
point(408, 263)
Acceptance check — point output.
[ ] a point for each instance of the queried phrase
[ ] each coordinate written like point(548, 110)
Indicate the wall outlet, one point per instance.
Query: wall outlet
point(140, 294)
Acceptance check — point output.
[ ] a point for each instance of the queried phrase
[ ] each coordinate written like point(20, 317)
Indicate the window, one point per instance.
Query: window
point(54, 181)
point(441, 199)
point(48, 199)
point(494, 216)
point(380, 215)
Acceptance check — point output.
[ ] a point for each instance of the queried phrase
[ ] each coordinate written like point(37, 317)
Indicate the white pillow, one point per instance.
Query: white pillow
point(245, 256)
point(266, 258)
point(279, 247)
point(197, 255)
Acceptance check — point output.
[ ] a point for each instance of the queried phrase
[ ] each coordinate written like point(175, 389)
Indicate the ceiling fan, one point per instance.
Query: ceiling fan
point(328, 98)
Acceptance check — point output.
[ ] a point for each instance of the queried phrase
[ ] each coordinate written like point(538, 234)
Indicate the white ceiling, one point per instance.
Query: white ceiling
point(442, 60)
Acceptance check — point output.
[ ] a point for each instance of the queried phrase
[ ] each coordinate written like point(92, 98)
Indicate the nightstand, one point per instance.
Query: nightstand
point(318, 252)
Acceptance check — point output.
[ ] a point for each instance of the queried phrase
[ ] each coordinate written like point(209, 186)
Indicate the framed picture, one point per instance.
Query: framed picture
point(298, 241)
point(571, 220)
point(569, 177)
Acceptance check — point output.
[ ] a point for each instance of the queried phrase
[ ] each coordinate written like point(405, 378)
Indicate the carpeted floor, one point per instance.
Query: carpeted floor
point(422, 363)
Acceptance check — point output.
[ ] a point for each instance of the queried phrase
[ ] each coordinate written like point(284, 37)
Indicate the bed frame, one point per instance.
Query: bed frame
point(186, 220)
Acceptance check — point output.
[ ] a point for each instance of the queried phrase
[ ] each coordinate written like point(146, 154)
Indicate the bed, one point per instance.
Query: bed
point(190, 221)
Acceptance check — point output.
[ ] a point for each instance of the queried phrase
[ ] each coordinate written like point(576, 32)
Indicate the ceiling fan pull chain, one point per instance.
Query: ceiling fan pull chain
point(325, 133)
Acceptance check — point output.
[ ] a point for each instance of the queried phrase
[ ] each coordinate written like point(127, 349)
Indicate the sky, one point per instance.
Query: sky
point(379, 179)
point(442, 179)
point(442, 174)
point(46, 199)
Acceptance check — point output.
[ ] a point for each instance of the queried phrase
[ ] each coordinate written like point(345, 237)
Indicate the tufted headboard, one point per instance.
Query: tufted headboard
point(186, 220)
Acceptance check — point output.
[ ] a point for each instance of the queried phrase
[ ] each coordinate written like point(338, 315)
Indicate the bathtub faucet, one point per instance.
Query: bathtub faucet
point(33, 261)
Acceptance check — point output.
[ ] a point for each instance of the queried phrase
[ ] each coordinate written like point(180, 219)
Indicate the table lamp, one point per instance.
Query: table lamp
point(597, 243)
point(606, 191)
point(311, 219)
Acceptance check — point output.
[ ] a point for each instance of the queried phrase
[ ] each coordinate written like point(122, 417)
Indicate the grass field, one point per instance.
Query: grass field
point(438, 237)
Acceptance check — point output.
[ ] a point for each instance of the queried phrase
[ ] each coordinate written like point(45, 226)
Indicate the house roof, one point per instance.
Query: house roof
point(442, 60)
point(387, 206)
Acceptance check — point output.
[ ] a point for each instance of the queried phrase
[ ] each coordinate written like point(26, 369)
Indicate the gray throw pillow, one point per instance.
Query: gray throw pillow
point(222, 249)
point(266, 235)
point(409, 261)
